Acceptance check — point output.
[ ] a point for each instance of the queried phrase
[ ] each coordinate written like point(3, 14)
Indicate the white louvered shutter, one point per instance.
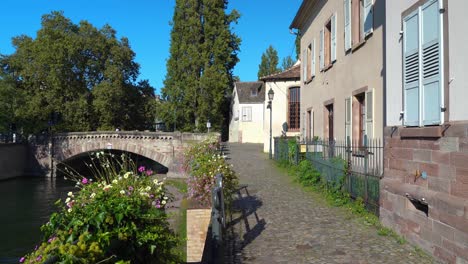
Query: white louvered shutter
point(333, 37)
point(313, 58)
point(347, 25)
point(411, 69)
point(368, 17)
point(304, 65)
point(370, 114)
point(321, 54)
point(348, 115)
point(431, 63)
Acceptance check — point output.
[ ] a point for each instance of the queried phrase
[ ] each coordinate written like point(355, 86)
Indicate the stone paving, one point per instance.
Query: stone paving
point(284, 224)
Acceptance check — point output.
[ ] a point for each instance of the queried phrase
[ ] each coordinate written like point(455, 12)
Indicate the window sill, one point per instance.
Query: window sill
point(421, 132)
point(326, 68)
point(358, 45)
point(309, 80)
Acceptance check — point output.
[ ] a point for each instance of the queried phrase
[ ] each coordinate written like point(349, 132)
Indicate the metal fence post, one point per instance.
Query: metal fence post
point(366, 161)
point(348, 169)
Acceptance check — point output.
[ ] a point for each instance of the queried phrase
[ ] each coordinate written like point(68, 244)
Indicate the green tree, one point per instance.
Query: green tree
point(297, 42)
point(78, 72)
point(203, 54)
point(269, 63)
point(287, 63)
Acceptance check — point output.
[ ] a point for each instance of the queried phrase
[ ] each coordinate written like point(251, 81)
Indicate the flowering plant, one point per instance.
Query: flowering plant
point(118, 218)
point(203, 161)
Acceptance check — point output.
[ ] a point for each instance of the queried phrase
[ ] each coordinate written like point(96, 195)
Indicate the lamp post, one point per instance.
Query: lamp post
point(208, 125)
point(271, 94)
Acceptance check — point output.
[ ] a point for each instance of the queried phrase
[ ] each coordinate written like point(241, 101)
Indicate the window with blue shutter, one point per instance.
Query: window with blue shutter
point(422, 58)
point(313, 58)
point(347, 24)
point(430, 51)
point(368, 17)
point(411, 69)
point(333, 38)
point(321, 53)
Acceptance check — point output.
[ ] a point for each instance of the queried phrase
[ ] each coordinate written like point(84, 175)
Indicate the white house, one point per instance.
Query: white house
point(285, 104)
point(247, 112)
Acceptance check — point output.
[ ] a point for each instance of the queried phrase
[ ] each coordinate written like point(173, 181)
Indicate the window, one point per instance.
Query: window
point(253, 93)
point(310, 125)
point(309, 62)
point(329, 120)
point(328, 43)
point(294, 110)
point(358, 21)
point(422, 63)
point(359, 112)
point(246, 114)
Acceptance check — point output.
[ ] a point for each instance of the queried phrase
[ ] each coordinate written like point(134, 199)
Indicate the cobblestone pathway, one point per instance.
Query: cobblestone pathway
point(284, 224)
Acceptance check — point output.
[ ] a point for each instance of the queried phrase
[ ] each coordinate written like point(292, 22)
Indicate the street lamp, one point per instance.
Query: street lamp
point(271, 94)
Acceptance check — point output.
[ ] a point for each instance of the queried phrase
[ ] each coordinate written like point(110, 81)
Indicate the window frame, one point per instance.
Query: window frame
point(416, 10)
point(249, 117)
point(296, 107)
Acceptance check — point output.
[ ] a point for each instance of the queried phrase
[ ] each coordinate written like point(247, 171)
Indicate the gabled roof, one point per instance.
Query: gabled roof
point(303, 14)
point(291, 74)
point(246, 92)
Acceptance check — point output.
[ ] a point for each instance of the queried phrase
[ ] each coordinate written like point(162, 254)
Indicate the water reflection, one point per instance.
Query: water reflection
point(26, 204)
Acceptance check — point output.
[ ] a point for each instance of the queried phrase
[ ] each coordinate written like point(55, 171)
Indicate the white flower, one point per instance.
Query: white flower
point(155, 181)
point(120, 178)
point(148, 188)
point(163, 202)
point(67, 200)
point(70, 194)
point(122, 192)
point(70, 210)
point(165, 198)
point(127, 174)
point(114, 181)
point(92, 195)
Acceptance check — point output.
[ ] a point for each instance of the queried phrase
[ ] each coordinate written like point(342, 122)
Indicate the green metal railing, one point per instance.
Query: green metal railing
point(357, 165)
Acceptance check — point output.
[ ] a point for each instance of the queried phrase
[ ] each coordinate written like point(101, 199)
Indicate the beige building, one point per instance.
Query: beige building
point(342, 69)
point(286, 108)
point(424, 192)
point(247, 112)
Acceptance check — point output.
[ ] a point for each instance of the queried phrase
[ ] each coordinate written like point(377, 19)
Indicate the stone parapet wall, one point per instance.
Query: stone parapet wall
point(428, 166)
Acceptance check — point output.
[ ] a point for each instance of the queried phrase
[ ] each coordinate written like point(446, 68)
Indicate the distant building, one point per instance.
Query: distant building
point(286, 104)
point(247, 112)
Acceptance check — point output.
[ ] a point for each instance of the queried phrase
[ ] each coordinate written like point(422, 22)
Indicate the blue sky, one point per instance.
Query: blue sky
point(146, 24)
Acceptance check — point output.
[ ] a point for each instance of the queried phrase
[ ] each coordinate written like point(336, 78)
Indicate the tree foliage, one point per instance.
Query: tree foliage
point(287, 63)
point(269, 63)
point(203, 54)
point(84, 75)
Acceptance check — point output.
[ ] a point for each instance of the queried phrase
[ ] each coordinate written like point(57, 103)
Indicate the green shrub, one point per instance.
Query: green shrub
point(203, 162)
point(118, 218)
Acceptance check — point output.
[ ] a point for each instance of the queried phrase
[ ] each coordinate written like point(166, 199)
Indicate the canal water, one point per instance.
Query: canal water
point(25, 204)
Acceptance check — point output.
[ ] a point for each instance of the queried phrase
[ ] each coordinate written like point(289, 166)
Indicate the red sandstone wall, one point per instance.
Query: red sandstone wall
point(444, 232)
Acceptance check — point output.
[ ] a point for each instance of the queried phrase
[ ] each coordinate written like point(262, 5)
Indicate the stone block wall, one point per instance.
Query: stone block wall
point(440, 154)
point(198, 221)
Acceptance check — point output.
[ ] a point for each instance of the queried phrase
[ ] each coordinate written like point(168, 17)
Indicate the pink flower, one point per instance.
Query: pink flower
point(22, 260)
point(84, 181)
point(39, 258)
point(141, 169)
point(130, 188)
point(51, 239)
point(149, 172)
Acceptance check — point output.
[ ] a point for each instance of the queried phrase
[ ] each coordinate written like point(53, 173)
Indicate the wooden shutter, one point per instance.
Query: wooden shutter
point(321, 54)
point(411, 69)
point(333, 38)
point(304, 65)
point(313, 58)
point(369, 114)
point(348, 117)
point(347, 24)
point(431, 62)
point(368, 17)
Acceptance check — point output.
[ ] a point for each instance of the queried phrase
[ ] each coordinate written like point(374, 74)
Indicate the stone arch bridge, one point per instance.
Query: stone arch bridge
point(164, 148)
